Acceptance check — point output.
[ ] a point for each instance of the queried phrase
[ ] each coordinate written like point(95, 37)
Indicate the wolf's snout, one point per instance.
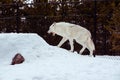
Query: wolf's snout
point(48, 32)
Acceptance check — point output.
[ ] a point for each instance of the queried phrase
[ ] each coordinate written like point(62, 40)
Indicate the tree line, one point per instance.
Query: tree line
point(36, 17)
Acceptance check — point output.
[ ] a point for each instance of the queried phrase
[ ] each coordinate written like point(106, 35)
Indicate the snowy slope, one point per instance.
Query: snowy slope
point(46, 62)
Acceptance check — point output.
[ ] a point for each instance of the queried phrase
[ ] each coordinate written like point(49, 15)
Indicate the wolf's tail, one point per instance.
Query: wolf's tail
point(91, 46)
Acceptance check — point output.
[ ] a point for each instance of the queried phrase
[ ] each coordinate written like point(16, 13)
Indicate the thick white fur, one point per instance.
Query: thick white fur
point(73, 32)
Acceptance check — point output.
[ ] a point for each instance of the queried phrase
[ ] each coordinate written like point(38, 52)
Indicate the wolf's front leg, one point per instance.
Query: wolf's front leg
point(62, 41)
point(71, 44)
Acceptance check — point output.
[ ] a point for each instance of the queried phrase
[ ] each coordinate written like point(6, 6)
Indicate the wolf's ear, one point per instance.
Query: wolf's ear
point(54, 23)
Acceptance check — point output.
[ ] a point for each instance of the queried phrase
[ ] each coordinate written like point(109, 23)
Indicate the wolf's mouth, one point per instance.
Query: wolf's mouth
point(53, 33)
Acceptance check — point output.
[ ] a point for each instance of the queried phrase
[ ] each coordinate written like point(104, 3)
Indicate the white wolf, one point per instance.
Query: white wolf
point(73, 32)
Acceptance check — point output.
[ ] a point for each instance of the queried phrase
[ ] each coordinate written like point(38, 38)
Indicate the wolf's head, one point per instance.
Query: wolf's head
point(52, 29)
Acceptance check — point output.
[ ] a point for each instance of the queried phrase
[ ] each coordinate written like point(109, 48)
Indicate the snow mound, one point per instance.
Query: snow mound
point(31, 46)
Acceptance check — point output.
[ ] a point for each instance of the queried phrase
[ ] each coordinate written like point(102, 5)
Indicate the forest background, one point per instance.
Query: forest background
point(101, 17)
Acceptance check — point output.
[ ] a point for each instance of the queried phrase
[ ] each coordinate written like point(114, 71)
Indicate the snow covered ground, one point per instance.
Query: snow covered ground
point(46, 62)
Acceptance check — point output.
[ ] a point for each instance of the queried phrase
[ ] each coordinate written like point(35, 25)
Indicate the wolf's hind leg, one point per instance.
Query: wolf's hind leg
point(83, 48)
point(62, 41)
point(82, 44)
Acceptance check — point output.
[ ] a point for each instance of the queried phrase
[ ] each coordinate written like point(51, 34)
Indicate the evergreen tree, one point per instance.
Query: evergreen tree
point(9, 15)
point(114, 27)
